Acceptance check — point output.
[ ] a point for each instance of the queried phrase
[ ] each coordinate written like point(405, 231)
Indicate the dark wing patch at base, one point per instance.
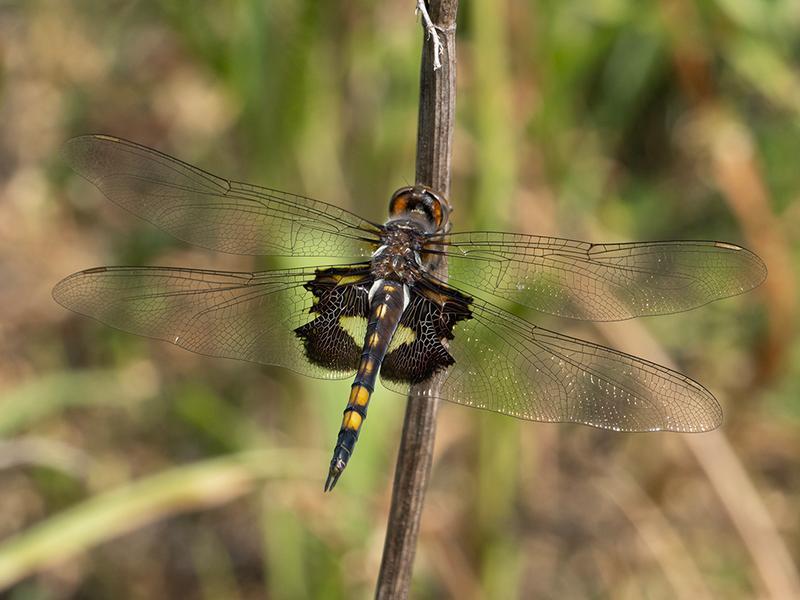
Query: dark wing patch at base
point(338, 292)
point(417, 351)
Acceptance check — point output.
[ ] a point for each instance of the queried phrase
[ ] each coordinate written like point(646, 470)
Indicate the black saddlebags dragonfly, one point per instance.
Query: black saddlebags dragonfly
point(384, 312)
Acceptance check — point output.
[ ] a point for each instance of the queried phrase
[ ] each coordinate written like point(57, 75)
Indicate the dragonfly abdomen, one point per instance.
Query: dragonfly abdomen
point(388, 300)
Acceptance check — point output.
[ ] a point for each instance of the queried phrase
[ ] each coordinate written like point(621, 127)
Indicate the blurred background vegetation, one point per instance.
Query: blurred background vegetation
point(132, 469)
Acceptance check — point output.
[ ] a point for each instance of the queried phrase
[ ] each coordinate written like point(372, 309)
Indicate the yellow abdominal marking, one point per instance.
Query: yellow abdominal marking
point(374, 340)
point(403, 335)
point(351, 420)
point(368, 365)
point(381, 311)
point(359, 395)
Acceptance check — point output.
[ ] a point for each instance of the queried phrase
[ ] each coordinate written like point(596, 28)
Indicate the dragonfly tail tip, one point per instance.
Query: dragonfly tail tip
point(337, 468)
point(333, 477)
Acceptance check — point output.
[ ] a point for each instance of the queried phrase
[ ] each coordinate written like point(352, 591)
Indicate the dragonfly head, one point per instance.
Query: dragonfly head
point(422, 205)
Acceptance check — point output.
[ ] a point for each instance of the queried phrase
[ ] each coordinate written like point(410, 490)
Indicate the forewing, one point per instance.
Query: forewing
point(213, 212)
point(599, 282)
point(246, 316)
point(507, 365)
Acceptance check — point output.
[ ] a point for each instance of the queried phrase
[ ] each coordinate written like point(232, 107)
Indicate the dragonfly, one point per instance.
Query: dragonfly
point(380, 310)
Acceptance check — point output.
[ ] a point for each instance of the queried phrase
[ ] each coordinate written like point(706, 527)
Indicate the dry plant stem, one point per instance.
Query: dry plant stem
point(434, 142)
point(433, 34)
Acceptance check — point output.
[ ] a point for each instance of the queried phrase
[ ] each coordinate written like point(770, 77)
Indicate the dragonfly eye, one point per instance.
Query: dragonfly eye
point(421, 203)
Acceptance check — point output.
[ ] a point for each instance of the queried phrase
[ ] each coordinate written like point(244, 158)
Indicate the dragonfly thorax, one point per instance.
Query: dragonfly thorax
point(398, 257)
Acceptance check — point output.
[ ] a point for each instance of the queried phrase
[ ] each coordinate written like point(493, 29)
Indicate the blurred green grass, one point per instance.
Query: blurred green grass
point(615, 120)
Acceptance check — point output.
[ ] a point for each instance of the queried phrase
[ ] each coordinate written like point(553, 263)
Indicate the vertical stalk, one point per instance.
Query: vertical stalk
point(437, 98)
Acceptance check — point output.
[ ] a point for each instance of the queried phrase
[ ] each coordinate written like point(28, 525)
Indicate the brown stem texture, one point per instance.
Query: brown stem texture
point(437, 100)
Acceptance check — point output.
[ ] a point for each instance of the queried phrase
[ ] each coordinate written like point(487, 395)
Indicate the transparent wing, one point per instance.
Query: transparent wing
point(599, 282)
point(246, 316)
point(213, 212)
point(507, 365)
